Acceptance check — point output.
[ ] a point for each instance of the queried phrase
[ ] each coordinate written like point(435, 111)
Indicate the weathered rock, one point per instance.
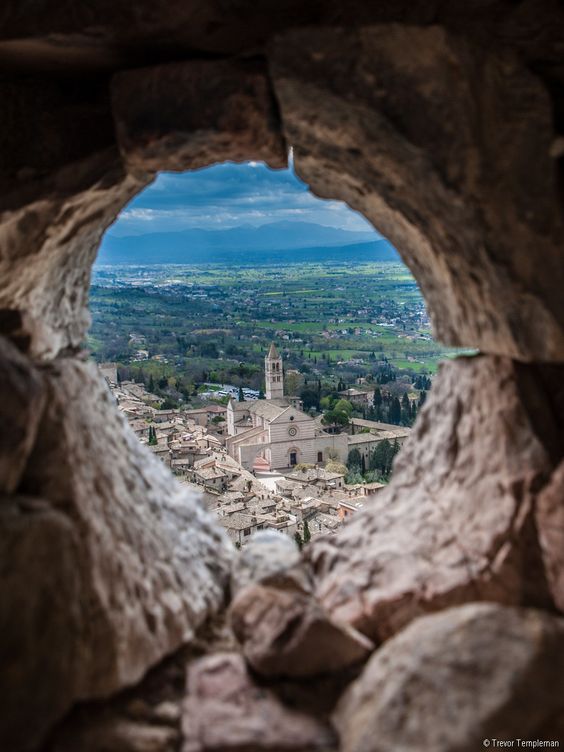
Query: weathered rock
point(453, 679)
point(285, 632)
point(550, 524)
point(58, 194)
point(21, 406)
point(192, 114)
point(268, 554)
point(42, 618)
point(115, 734)
point(225, 710)
point(456, 523)
point(430, 136)
point(140, 567)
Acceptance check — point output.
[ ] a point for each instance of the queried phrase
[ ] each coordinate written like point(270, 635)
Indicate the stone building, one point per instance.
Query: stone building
point(275, 432)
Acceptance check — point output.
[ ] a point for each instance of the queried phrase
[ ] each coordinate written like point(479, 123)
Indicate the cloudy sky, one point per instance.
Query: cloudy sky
point(229, 195)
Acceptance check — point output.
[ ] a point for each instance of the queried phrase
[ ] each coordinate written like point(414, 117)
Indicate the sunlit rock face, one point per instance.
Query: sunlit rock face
point(496, 670)
point(443, 124)
point(457, 522)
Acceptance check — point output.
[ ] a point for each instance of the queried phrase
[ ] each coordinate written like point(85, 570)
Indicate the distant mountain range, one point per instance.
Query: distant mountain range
point(279, 241)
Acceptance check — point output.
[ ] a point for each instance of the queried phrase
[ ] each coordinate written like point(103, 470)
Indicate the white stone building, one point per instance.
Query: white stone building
point(275, 432)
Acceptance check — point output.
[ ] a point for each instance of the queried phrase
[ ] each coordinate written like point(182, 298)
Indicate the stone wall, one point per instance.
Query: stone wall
point(444, 124)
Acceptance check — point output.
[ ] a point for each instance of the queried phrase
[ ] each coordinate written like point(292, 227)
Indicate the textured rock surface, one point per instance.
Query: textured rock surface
point(451, 680)
point(285, 632)
point(430, 136)
point(58, 194)
point(225, 710)
point(137, 562)
point(267, 555)
point(42, 618)
point(23, 398)
point(192, 114)
point(121, 735)
point(456, 522)
point(550, 523)
point(61, 192)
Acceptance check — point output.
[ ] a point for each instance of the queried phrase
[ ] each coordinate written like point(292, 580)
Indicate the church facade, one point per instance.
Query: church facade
point(275, 433)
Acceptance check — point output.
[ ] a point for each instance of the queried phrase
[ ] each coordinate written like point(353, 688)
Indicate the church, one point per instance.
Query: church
point(275, 433)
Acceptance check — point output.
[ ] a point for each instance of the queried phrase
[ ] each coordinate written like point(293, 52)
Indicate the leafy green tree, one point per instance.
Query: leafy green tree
point(354, 477)
point(343, 405)
point(405, 410)
point(354, 459)
point(394, 415)
point(380, 458)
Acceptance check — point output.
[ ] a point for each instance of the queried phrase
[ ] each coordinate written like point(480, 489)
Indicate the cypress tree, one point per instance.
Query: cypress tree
point(307, 534)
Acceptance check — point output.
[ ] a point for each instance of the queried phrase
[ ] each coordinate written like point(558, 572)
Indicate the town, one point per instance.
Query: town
point(265, 463)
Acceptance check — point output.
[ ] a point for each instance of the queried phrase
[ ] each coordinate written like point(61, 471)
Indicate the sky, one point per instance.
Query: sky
point(230, 195)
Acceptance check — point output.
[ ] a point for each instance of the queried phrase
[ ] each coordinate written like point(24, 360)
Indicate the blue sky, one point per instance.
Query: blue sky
point(229, 195)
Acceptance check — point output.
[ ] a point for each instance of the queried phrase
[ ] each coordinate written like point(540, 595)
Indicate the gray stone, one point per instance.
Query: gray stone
point(284, 632)
point(21, 405)
point(268, 554)
point(453, 679)
point(193, 114)
point(549, 514)
point(142, 564)
point(226, 710)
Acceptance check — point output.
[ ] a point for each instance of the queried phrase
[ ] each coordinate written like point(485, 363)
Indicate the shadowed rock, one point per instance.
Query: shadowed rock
point(550, 523)
point(226, 710)
point(21, 405)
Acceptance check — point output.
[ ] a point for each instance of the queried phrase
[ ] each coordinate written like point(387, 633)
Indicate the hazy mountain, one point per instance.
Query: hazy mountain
point(298, 240)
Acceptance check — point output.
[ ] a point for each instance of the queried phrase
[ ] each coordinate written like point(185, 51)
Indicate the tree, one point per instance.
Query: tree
point(241, 395)
point(151, 386)
point(307, 534)
point(422, 398)
point(405, 410)
point(394, 415)
point(152, 436)
point(380, 457)
point(354, 459)
point(299, 540)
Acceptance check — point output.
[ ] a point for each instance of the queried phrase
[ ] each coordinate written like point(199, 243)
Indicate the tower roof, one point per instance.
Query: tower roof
point(273, 352)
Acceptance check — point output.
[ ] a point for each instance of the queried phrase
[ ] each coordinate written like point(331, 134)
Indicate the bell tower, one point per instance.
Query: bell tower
point(273, 374)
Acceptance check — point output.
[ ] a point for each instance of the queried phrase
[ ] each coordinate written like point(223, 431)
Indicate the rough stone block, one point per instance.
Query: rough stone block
point(140, 569)
point(226, 710)
point(22, 398)
point(192, 114)
point(453, 679)
point(285, 632)
point(456, 522)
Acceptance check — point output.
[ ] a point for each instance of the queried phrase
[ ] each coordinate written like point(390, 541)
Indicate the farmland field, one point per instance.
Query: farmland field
point(336, 320)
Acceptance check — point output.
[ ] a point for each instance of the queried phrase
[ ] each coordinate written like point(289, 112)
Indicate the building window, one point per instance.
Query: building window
point(293, 459)
point(247, 531)
point(320, 456)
